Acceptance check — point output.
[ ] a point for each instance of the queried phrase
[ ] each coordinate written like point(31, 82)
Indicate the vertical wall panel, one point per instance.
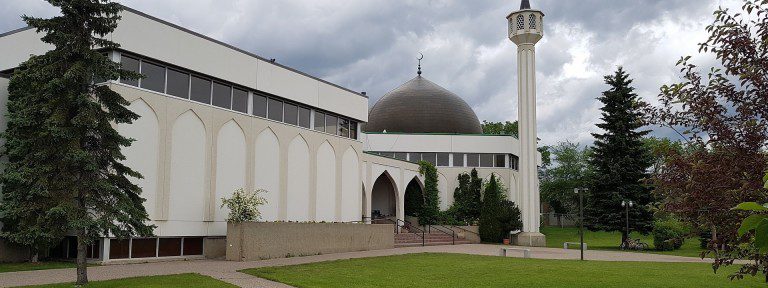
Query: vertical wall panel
point(143, 154)
point(187, 183)
point(326, 183)
point(230, 165)
point(351, 202)
point(267, 172)
point(298, 180)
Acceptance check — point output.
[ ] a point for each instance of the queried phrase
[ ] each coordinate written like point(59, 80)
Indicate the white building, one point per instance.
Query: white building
point(215, 118)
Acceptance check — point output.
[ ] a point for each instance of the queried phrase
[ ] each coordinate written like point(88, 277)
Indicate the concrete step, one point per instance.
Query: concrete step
point(399, 245)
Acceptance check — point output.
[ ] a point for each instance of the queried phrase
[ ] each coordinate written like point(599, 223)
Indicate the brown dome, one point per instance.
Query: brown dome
point(420, 106)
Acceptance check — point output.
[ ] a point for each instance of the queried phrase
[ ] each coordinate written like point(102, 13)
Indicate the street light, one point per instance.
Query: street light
point(581, 191)
point(627, 204)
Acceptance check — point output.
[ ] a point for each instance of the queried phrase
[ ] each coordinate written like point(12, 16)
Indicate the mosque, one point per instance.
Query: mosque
point(214, 118)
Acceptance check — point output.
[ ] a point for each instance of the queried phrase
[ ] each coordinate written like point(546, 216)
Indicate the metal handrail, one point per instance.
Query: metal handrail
point(465, 230)
point(410, 227)
point(452, 234)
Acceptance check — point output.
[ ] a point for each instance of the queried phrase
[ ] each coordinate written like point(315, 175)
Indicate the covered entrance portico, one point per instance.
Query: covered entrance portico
point(384, 186)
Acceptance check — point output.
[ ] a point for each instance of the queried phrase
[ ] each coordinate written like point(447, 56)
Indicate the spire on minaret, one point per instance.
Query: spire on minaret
point(525, 4)
point(422, 57)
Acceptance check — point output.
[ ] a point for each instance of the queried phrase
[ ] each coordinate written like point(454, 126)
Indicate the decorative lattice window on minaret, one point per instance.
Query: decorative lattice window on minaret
point(532, 22)
point(520, 22)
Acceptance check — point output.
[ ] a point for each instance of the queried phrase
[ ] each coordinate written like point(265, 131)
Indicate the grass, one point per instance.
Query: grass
point(27, 266)
point(180, 280)
point(556, 236)
point(458, 270)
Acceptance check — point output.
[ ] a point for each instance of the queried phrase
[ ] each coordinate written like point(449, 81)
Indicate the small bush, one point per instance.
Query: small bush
point(669, 234)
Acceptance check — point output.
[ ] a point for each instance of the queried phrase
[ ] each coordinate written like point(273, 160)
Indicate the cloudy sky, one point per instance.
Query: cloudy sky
point(372, 46)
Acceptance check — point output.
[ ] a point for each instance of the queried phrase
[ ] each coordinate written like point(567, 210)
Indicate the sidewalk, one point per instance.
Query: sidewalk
point(227, 270)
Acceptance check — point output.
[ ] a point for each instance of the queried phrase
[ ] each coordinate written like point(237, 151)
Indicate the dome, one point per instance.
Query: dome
point(420, 106)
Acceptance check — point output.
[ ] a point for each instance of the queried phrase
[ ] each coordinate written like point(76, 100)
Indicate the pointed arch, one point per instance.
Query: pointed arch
point(446, 198)
point(384, 198)
point(188, 168)
point(230, 165)
point(144, 154)
point(326, 183)
point(350, 179)
point(298, 180)
point(266, 173)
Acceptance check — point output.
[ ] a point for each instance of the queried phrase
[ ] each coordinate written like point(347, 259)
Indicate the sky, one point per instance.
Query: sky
point(372, 46)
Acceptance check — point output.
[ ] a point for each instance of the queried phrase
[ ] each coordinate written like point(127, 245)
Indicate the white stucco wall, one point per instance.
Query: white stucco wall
point(230, 166)
point(143, 155)
point(326, 183)
point(267, 172)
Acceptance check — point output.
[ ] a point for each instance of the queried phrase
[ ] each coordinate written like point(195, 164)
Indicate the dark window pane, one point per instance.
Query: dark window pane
point(93, 251)
point(513, 162)
point(388, 154)
point(401, 156)
point(201, 90)
point(143, 248)
point(486, 160)
point(343, 127)
point(259, 105)
point(291, 114)
point(154, 77)
point(275, 109)
point(304, 117)
point(473, 160)
point(118, 249)
point(500, 160)
point(240, 100)
point(458, 160)
point(193, 246)
point(353, 130)
point(414, 157)
point(429, 157)
point(130, 64)
point(222, 95)
point(330, 124)
point(169, 247)
point(442, 159)
point(178, 84)
point(319, 121)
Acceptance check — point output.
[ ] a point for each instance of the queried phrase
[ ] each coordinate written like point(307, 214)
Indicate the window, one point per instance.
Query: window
point(500, 160)
point(532, 22)
point(222, 95)
point(193, 246)
point(119, 248)
point(513, 162)
point(178, 84)
point(169, 247)
point(275, 109)
point(154, 77)
point(240, 100)
point(429, 157)
point(401, 156)
point(486, 160)
point(130, 64)
point(458, 160)
point(353, 129)
point(319, 121)
point(259, 105)
point(473, 160)
point(387, 154)
point(144, 248)
point(343, 127)
point(414, 157)
point(200, 90)
point(520, 22)
point(442, 159)
point(291, 114)
point(304, 117)
point(330, 124)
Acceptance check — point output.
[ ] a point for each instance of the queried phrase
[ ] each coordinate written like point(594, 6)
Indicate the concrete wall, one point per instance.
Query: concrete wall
point(215, 247)
point(267, 240)
point(13, 253)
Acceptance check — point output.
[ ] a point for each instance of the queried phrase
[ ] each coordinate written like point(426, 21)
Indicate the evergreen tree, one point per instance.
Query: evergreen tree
point(620, 163)
point(64, 172)
point(490, 226)
point(467, 198)
point(414, 200)
point(430, 212)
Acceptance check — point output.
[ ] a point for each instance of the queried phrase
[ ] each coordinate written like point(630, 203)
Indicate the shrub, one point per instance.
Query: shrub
point(491, 229)
point(430, 211)
point(669, 234)
point(509, 217)
point(244, 206)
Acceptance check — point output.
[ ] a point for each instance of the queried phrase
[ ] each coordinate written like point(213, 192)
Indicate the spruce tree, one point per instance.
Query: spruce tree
point(490, 226)
point(430, 212)
point(467, 197)
point(64, 172)
point(620, 163)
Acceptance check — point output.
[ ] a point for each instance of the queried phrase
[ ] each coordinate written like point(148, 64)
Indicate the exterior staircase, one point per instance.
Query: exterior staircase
point(408, 239)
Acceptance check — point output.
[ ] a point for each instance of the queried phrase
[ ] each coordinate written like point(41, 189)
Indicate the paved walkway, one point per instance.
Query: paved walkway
point(227, 270)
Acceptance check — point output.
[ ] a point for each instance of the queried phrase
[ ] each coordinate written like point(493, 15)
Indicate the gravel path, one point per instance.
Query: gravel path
point(227, 270)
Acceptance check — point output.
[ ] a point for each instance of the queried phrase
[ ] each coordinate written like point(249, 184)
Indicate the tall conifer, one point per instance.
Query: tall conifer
point(64, 172)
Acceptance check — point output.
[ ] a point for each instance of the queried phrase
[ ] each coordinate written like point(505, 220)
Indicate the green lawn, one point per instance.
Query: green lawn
point(26, 266)
point(458, 270)
point(556, 236)
point(180, 280)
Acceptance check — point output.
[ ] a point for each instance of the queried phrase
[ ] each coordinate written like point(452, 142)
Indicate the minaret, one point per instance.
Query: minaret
point(526, 29)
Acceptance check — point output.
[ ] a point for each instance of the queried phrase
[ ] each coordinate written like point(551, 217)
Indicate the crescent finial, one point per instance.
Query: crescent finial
point(420, 57)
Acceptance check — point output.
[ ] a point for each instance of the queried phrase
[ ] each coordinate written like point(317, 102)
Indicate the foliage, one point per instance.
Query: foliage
point(509, 217)
point(414, 199)
point(65, 171)
point(669, 234)
point(723, 113)
point(620, 161)
point(467, 198)
point(491, 227)
point(511, 128)
point(430, 212)
point(570, 171)
point(244, 206)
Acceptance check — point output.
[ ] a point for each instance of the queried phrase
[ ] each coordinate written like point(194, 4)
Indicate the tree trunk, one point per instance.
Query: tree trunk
point(82, 267)
point(624, 236)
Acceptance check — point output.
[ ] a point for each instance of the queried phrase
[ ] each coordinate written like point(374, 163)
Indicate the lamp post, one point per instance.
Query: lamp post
point(627, 204)
point(581, 191)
